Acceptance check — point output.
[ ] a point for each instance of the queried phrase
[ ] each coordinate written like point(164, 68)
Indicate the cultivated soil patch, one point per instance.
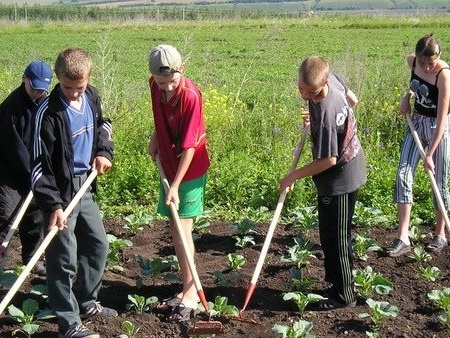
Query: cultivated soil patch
point(417, 314)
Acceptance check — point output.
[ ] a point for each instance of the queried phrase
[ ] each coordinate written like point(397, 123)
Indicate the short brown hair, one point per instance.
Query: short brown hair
point(314, 71)
point(427, 46)
point(74, 64)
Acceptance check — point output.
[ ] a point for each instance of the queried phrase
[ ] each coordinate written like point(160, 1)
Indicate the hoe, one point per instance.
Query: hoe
point(271, 230)
point(199, 327)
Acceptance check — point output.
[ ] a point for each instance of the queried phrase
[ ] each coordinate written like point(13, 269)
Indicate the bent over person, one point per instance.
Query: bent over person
point(71, 138)
point(16, 114)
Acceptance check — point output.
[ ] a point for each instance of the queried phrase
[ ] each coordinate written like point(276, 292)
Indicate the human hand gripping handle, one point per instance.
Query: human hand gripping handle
point(434, 186)
point(46, 242)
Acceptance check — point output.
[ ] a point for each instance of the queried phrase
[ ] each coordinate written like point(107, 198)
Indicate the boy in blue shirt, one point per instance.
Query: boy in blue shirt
point(71, 137)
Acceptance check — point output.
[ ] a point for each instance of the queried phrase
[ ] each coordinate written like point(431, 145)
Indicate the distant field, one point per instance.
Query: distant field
point(296, 5)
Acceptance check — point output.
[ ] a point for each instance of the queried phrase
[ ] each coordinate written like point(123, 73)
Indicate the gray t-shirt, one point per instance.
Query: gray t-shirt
point(334, 133)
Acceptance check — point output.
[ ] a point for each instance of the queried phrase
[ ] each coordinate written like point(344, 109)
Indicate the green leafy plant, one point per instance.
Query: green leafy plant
point(305, 218)
point(362, 245)
point(115, 247)
point(420, 255)
point(154, 267)
point(300, 329)
point(235, 261)
point(130, 329)
point(299, 283)
point(379, 312)
point(220, 307)
point(29, 316)
point(365, 217)
point(442, 299)
point(300, 253)
point(244, 241)
point(301, 299)
point(416, 233)
point(141, 304)
point(7, 278)
point(225, 280)
point(202, 223)
point(431, 274)
point(367, 281)
point(244, 227)
point(136, 222)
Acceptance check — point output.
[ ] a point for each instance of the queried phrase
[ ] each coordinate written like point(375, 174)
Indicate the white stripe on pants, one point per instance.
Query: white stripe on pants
point(410, 156)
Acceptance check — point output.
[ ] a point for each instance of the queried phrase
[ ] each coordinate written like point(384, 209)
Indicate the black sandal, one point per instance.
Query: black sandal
point(168, 304)
point(181, 313)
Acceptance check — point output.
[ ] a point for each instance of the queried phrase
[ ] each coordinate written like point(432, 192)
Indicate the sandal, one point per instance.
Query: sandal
point(398, 248)
point(168, 304)
point(182, 313)
point(437, 244)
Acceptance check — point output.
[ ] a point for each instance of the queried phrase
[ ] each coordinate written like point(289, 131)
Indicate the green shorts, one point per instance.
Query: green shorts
point(191, 194)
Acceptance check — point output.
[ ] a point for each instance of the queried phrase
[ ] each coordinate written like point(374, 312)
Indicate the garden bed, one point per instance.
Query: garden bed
point(417, 315)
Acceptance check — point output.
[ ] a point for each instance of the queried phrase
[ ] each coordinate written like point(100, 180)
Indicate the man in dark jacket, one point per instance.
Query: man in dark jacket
point(15, 180)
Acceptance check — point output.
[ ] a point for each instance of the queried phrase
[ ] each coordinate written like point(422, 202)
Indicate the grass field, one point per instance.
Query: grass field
point(247, 71)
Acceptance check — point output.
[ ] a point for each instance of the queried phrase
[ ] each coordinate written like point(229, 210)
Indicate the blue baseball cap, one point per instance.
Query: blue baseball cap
point(40, 75)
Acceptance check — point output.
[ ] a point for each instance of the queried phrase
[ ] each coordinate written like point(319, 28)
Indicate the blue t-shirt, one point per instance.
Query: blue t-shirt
point(82, 128)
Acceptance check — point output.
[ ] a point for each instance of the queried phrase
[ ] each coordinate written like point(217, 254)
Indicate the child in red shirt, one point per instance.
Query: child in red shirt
point(179, 140)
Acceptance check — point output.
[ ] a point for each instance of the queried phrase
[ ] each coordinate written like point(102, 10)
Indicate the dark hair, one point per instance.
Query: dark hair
point(427, 46)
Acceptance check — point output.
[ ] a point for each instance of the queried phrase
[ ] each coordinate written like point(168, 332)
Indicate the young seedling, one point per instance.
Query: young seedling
point(300, 329)
point(305, 219)
point(302, 300)
point(300, 253)
point(115, 247)
point(363, 245)
point(220, 307)
point(225, 280)
point(235, 261)
point(29, 316)
point(7, 278)
point(136, 222)
point(431, 274)
point(367, 281)
point(201, 223)
point(131, 331)
point(416, 234)
point(244, 227)
point(379, 312)
point(141, 304)
point(420, 255)
point(154, 267)
point(299, 283)
point(442, 299)
point(365, 217)
point(244, 241)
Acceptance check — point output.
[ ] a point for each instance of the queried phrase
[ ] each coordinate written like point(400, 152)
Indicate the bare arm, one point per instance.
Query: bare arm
point(185, 162)
point(352, 99)
point(442, 112)
point(313, 168)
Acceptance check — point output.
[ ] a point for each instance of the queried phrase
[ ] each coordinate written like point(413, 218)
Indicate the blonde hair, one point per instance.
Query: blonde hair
point(73, 64)
point(314, 71)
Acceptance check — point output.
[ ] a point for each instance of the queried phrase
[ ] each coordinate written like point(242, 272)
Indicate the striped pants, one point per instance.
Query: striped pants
point(410, 156)
point(335, 219)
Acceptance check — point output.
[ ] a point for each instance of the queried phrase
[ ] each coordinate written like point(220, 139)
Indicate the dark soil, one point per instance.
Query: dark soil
point(417, 314)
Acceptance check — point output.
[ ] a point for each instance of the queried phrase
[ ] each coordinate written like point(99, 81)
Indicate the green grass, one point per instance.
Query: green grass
point(247, 71)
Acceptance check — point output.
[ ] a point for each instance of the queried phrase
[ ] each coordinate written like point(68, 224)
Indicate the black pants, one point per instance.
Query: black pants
point(335, 218)
point(31, 227)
